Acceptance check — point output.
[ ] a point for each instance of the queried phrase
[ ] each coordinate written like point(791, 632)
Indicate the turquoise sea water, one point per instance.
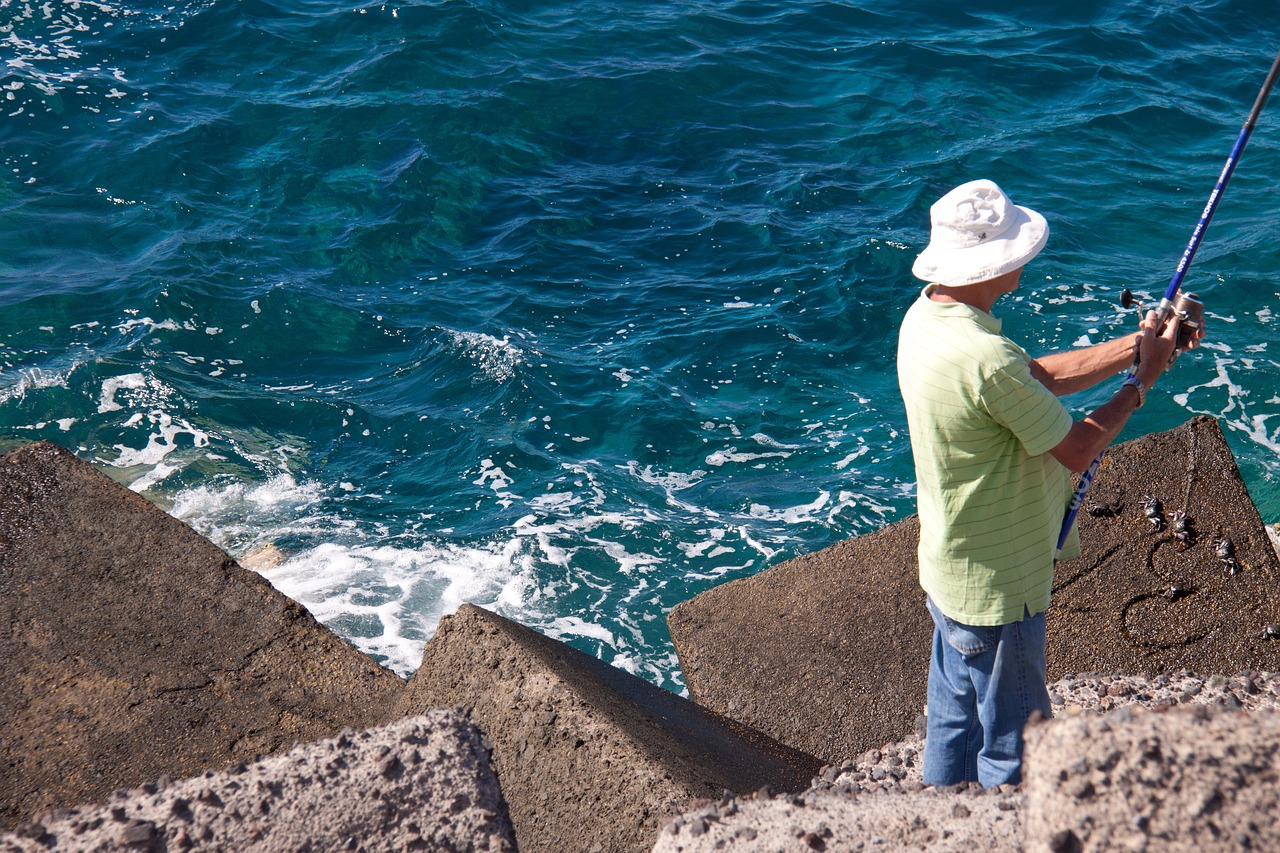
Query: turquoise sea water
point(576, 309)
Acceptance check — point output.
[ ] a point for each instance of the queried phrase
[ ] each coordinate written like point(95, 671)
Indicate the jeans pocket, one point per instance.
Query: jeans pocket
point(970, 640)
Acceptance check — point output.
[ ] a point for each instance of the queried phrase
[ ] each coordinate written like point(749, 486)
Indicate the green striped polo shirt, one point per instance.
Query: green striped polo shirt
point(991, 497)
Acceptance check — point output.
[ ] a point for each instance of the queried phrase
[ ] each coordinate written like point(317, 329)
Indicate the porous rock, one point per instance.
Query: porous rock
point(1189, 779)
point(828, 652)
point(589, 757)
point(1097, 783)
point(132, 648)
point(924, 820)
point(422, 783)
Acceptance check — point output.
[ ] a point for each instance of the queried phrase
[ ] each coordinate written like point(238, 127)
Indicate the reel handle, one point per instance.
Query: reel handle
point(1190, 313)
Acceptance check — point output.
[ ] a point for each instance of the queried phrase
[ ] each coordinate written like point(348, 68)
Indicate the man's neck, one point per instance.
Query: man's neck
point(981, 295)
point(968, 295)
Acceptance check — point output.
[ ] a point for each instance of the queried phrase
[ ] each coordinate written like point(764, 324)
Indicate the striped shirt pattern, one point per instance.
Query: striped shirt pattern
point(991, 498)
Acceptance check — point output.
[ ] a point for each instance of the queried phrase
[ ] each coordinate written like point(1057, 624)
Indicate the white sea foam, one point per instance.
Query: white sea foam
point(46, 44)
point(112, 386)
point(708, 548)
point(575, 564)
point(32, 379)
point(1235, 412)
point(152, 397)
point(241, 516)
point(147, 324)
point(162, 442)
point(671, 481)
point(768, 441)
point(497, 359)
point(848, 460)
point(574, 626)
point(498, 480)
point(1221, 379)
point(627, 562)
point(802, 514)
point(382, 594)
point(733, 455)
point(388, 600)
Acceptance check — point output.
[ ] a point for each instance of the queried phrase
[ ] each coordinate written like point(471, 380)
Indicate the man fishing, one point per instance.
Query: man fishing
point(994, 450)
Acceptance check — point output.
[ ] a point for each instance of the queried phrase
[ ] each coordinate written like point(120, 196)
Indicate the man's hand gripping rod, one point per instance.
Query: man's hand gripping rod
point(1166, 308)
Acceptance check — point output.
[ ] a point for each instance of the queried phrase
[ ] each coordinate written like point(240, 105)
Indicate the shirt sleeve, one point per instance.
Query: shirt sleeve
point(1015, 399)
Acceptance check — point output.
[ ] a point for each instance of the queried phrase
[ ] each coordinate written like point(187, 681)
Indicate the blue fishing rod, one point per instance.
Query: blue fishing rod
point(1169, 304)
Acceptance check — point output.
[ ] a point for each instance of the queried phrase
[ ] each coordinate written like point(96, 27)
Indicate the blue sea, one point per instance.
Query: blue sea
point(574, 310)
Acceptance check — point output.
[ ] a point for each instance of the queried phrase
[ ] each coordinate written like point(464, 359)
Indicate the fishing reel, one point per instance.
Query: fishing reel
point(1189, 310)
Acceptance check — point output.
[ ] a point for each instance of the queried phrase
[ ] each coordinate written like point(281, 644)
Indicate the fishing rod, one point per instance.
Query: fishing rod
point(1167, 305)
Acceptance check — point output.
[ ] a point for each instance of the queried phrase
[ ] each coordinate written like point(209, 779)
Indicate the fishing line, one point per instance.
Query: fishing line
point(1166, 307)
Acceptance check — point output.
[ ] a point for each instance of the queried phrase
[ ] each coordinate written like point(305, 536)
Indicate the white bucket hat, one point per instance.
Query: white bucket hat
point(978, 233)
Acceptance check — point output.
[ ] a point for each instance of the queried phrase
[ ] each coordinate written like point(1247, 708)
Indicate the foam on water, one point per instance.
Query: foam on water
point(48, 44)
point(112, 386)
point(29, 379)
point(497, 359)
point(388, 600)
point(1225, 396)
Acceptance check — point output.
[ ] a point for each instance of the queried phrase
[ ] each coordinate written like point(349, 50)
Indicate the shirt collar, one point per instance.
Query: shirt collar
point(959, 310)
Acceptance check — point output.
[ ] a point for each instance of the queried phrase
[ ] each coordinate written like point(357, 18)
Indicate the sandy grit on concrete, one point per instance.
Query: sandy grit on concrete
point(1195, 753)
point(1186, 780)
point(423, 783)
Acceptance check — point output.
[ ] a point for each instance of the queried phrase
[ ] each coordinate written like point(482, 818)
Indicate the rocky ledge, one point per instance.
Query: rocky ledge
point(136, 653)
point(1174, 762)
point(422, 783)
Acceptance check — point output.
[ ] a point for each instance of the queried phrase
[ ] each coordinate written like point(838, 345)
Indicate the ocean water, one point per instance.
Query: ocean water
point(573, 310)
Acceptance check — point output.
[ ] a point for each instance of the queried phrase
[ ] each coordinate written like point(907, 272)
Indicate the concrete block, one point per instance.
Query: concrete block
point(423, 783)
point(589, 757)
point(132, 648)
point(1190, 779)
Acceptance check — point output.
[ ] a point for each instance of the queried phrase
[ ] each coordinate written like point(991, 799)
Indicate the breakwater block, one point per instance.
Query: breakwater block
point(589, 757)
point(132, 648)
point(1189, 779)
point(422, 783)
point(1140, 599)
point(1194, 778)
point(928, 820)
point(828, 652)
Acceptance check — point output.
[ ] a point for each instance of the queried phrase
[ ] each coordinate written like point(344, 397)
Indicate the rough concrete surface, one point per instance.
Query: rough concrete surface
point(423, 783)
point(132, 648)
point(829, 652)
point(1141, 600)
point(1189, 779)
point(590, 757)
point(1200, 777)
point(929, 820)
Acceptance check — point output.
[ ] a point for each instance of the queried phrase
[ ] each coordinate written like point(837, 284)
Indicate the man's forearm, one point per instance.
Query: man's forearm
point(1075, 370)
point(1091, 435)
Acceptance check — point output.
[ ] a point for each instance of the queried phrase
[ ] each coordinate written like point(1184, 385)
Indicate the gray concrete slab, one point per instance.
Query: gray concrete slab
point(132, 648)
point(1190, 779)
point(590, 758)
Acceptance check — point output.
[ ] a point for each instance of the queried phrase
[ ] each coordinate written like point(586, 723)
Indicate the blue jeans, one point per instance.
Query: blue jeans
point(984, 682)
